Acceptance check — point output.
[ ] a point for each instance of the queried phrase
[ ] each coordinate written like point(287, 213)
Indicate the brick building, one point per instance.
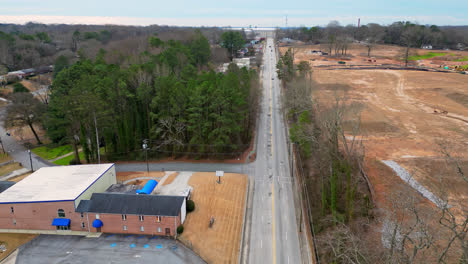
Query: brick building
point(134, 213)
point(73, 199)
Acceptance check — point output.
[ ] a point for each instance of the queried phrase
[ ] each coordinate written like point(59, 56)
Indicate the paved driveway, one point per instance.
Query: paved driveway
point(49, 249)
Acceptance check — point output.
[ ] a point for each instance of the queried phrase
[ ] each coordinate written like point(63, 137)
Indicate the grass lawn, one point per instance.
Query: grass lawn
point(4, 170)
point(49, 153)
point(428, 55)
point(66, 160)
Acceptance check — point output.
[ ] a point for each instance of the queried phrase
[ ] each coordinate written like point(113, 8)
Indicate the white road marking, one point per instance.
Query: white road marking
point(286, 235)
point(261, 243)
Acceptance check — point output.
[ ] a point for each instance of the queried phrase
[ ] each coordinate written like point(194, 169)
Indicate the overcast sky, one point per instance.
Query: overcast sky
point(240, 13)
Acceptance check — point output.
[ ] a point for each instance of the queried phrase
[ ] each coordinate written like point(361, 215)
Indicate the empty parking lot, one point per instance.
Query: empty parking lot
point(105, 249)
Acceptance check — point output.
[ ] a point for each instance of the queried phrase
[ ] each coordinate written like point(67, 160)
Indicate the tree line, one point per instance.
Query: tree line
point(33, 44)
point(397, 33)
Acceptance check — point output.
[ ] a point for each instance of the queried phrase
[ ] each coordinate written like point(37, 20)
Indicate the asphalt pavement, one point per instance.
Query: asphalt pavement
point(49, 249)
point(273, 230)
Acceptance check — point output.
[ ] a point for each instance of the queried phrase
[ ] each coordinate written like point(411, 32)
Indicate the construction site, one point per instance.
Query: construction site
point(413, 123)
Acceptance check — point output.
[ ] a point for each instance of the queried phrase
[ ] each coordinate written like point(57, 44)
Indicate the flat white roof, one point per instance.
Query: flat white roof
point(60, 183)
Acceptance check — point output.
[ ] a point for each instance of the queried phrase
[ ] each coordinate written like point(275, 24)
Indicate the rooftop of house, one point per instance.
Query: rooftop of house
point(59, 183)
point(136, 204)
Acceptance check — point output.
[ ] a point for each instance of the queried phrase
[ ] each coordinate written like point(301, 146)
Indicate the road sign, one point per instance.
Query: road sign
point(219, 174)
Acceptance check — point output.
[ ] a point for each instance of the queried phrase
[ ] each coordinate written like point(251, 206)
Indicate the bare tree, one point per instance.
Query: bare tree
point(24, 110)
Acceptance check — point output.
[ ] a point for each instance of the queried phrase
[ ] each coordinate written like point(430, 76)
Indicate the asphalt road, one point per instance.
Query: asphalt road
point(274, 234)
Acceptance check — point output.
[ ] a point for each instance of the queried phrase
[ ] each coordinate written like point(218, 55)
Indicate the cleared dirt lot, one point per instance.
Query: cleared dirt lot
point(225, 202)
point(405, 116)
point(125, 176)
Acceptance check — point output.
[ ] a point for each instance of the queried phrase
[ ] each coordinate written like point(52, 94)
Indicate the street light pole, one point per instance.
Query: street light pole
point(145, 147)
point(30, 160)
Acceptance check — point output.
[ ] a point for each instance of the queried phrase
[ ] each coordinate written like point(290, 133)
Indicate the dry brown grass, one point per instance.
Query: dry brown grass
point(138, 182)
point(170, 178)
point(13, 241)
point(124, 176)
point(4, 157)
point(20, 177)
point(24, 134)
point(4, 170)
point(225, 202)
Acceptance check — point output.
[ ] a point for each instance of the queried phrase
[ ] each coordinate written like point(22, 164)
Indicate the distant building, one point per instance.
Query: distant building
point(240, 62)
point(461, 46)
point(19, 74)
point(29, 72)
point(287, 40)
point(316, 52)
point(73, 200)
point(427, 46)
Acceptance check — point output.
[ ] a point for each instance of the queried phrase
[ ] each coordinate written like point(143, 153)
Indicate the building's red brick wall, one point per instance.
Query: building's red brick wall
point(39, 216)
point(113, 223)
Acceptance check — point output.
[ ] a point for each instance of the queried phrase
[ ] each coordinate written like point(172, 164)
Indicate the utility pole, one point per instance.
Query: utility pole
point(1, 142)
point(97, 140)
point(145, 147)
point(30, 160)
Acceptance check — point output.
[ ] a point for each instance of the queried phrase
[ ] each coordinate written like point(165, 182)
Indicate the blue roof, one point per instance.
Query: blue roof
point(61, 222)
point(97, 223)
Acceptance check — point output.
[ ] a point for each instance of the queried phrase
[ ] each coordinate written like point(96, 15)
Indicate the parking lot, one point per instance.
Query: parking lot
point(108, 248)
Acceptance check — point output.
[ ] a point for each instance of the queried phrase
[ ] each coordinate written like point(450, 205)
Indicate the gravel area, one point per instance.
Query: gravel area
point(406, 177)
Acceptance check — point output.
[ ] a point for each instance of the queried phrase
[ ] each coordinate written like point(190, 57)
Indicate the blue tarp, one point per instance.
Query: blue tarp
point(61, 222)
point(148, 188)
point(97, 223)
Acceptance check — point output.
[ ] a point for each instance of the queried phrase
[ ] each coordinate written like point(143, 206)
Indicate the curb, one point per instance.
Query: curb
point(243, 249)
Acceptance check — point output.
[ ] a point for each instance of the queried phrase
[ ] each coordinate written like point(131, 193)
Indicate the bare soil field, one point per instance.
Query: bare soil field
point(225, 202)
point(124, 176)
point(380, 54)
point(406, 115)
